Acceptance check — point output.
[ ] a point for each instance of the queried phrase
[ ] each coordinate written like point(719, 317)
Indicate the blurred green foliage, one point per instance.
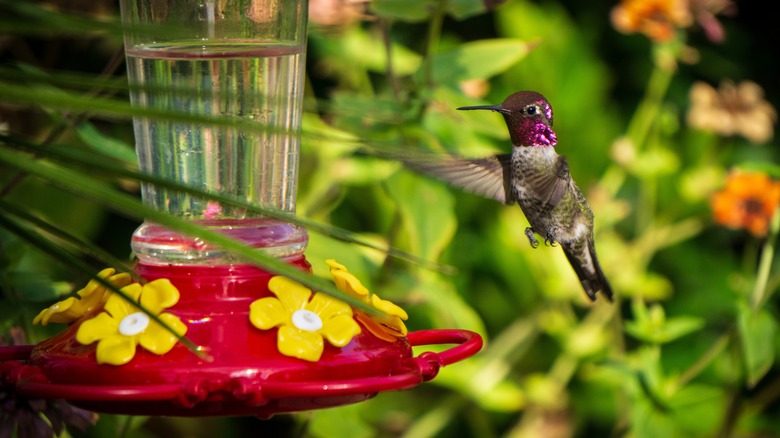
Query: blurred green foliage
point(689, 347)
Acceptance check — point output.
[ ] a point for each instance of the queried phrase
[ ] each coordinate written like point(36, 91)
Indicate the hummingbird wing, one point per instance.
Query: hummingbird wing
point(489, 177)
point(551, 186)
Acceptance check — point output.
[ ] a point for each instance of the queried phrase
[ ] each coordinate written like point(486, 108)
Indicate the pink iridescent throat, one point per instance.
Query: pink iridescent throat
point(534, 133)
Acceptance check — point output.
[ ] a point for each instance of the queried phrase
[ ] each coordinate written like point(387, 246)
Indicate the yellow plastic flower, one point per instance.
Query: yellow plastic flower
point(122, 325)
point(303, 320)
point(388, 328)
point(93, 294)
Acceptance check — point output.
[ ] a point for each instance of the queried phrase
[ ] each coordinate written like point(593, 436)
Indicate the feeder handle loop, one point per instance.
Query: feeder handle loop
point(429, 363)
point(469, 344)
point(425, 367)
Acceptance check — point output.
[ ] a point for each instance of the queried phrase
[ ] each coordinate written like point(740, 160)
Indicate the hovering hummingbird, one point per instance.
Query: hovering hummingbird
point(535, 177)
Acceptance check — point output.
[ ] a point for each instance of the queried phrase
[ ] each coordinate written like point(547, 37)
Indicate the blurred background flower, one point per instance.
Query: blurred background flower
point(748, 201)
point(657, 19)
point(732, 109)
point(705, 12)
point(336, 12)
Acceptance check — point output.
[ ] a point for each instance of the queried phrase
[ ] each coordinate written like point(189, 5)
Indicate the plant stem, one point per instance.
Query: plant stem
point(732, 414)
point(760, 289)
point(647, 111)
point(385, 25)
point(701, 363)
point(124, 427)
point(434, 34)
point(639, 127)
point(639, 132)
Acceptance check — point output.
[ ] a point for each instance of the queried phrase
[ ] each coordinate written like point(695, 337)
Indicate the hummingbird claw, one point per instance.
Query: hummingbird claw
point(550, 239)
point(529, 233)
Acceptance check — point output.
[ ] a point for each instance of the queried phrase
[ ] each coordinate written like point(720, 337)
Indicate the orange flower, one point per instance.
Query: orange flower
point(748, 201)
point(658, 19)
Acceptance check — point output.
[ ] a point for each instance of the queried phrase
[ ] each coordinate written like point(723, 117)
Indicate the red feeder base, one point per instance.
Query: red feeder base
point(243, 374)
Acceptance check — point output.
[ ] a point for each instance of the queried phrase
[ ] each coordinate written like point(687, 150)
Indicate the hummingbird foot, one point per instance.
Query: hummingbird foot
point(550, 239)
point(529, 233)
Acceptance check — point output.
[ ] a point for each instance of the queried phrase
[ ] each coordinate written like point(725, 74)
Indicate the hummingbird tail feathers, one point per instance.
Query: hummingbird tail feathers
point(589, 271)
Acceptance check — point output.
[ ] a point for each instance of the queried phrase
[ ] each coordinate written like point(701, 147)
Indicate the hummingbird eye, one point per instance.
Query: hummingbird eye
point(531, 110)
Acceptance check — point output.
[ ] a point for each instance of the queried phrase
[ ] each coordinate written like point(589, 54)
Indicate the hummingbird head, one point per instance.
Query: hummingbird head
point(528, 116)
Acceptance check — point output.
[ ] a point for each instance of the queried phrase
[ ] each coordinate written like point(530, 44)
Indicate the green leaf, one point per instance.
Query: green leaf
point(470, 133)
point(54, 99)
point(680, 326)
point(346, 420)
point(28, 18)
point(361, 262)
point(368, 50)
point(104, 144)
point(761, 166)
point(656, 162)
point(447, 307)
point(698, 409)
point(357, 112)
point(462, 9)
point(499, 395)
point(29, 75)
point(404, 10)
point(35, 287)
point(757, 330)
point(651, 325)
point(694, 410)
point(478, 59)
point(63, 237)
point(671, 330)
point(362, 171)
point(427, 213)
point(648, 422)
point(420, 10)
point(488, 377)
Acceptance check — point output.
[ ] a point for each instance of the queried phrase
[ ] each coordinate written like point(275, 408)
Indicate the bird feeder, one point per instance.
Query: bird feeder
point(266, 344)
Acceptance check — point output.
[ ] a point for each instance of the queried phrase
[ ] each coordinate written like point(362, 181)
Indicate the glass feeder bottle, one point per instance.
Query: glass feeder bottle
point(227, 78)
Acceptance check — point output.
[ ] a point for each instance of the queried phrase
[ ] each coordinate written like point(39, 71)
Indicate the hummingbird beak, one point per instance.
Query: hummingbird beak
point(496, 108)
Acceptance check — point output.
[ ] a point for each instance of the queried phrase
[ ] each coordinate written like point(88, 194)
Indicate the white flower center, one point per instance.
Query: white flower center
point(306, 320)
point(133, 324)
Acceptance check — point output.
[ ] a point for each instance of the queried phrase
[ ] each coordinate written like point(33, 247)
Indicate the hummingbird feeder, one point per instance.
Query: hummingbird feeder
point(267, 344)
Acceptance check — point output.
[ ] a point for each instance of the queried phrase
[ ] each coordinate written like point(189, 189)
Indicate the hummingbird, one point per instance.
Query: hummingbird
point(537, 178)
